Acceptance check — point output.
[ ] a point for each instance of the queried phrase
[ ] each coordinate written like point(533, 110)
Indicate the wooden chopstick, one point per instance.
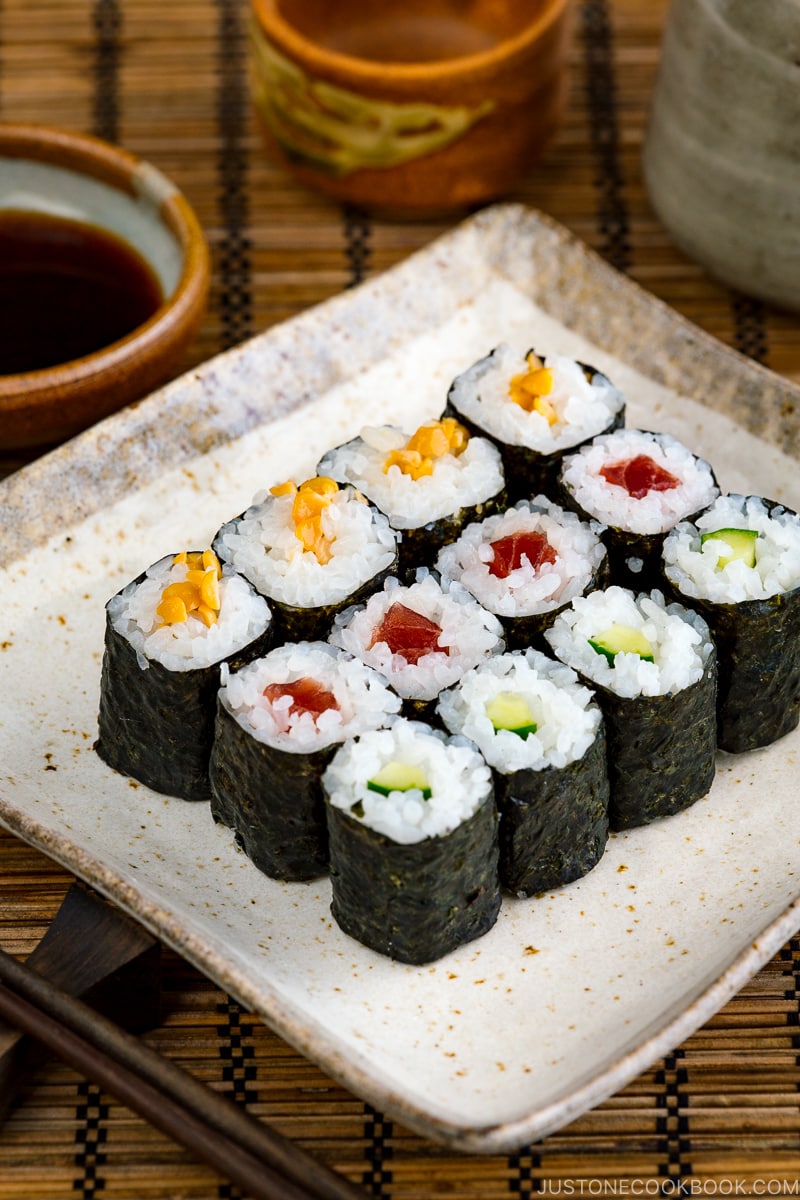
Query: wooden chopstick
point(262, 1162)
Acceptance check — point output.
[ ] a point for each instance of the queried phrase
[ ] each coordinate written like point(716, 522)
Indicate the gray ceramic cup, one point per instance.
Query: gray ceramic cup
point(722, 152)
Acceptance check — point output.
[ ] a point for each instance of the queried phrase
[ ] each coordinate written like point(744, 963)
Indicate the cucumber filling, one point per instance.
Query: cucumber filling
point(400, 777)
point(622, 639)
point(741, 544)
point(507, 710)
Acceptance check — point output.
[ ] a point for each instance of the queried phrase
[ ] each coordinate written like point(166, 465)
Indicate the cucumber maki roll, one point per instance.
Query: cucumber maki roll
point(311, 550)
point(541, 731)
point(279, 721)
point(413, 842)
point(526, 564)
point(639, 485)
point(653, 668)
point(535, 410)
point(422, 637)
point(167, 633)
point(430, 485)
point(738, 564)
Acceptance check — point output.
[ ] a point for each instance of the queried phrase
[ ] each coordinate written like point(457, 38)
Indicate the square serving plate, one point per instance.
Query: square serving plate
point(572, 993)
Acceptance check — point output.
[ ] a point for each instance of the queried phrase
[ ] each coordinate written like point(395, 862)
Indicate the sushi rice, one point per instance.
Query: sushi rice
point(653, 513)
point(526, 591)
point(566, 715)
point(469, 634)
point(584, 407)
point(263, 546)
point(364, 699)
point(190, 644)
point(679, 638)
point(458, 778)
point(456, 481)
point(694, 567)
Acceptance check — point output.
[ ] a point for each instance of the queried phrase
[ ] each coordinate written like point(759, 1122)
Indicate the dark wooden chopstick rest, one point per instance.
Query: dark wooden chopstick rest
point(92, 950)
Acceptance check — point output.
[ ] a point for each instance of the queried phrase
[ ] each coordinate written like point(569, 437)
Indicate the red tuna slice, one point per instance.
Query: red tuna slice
point(508, 552)
point(639, 476)
point(408, 633)
point(308, 696)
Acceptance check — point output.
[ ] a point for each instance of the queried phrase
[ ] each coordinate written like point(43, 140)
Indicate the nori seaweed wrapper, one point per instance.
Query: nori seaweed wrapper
point(553, 822)
point(415, 903)
point(661, 749)
point(758, 646)
point(530, 472)
point(272, 799)
point(311, 623)
point(157, 725)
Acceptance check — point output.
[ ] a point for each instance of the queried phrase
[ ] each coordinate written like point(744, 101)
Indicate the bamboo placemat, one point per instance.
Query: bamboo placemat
point(718, 1116)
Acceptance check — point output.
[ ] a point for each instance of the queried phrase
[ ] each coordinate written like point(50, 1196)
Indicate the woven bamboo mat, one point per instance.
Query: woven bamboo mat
point(721, 1114)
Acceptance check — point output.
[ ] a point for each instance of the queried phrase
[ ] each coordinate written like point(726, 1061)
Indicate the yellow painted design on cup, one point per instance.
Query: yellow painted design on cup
point(338, 131)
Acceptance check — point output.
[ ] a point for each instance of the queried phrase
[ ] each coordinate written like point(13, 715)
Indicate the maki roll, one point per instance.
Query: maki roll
point(526, 564)
point(639, 485)
point(738, 564)
point(422, 638)
point(430, 485)
point(535, 410)
point(653, 667)
point(413, 842)
point(311, 550)
point(279, 721)
point(542, 734)
point(167, 633)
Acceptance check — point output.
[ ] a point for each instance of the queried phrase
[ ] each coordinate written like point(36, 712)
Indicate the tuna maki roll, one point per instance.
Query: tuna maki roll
point(279, 721)
point(738, 564)
point(413, 842)
point(526, 564)
point(653, 668)
point(535, 409)
point(430, 485)
point(639, 485)
point(542, 734)
point(167, 633)
point(422, 637)
point(311, 550)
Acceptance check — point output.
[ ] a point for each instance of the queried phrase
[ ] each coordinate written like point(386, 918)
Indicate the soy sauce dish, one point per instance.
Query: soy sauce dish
point(104, 274)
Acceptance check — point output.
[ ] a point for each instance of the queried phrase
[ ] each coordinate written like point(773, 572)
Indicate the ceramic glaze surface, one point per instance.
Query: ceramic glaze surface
point(571, 994)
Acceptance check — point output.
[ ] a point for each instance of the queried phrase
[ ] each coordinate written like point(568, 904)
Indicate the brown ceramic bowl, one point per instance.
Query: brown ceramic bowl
point(417, 106)
point(67, 174)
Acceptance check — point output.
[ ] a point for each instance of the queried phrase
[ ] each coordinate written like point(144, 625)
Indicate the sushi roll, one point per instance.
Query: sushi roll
point(526, 564)
point(311, 550)
point(535, 410)
point(422, 637)
point(279, 721)
point(639, 485)
point(738, 564)
point(653, 668)
point(541, 731)
point(167, 633)
point(430, 485)
point(413, 842)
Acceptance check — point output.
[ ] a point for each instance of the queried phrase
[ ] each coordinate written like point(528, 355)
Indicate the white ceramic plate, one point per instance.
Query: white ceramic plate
point(570, 995)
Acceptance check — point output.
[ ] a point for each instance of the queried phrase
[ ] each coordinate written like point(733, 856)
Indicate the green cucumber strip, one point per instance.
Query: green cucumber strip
point(399, 777)
point(507, 710)
point(742, 543)
point(622, 639)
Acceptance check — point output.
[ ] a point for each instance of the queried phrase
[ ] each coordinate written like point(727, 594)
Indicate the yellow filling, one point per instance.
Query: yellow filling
point(198, 593)
point(310, 501)
point(431, 441)
point(531, 389)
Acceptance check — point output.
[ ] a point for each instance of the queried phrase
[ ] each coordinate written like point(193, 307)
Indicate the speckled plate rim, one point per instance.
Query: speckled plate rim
point(107, 461)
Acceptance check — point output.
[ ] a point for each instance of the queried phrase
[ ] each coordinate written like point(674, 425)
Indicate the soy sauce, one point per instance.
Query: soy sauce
point(66, 289)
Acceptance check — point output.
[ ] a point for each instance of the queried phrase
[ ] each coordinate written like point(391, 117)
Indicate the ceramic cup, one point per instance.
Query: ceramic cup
point(417, 106)
point(722, 152)
point(74, 176)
